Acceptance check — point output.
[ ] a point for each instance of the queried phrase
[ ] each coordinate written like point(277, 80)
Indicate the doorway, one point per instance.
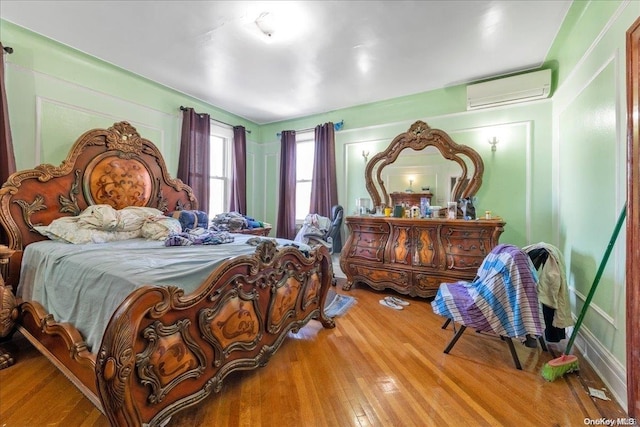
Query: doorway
point(633, 220)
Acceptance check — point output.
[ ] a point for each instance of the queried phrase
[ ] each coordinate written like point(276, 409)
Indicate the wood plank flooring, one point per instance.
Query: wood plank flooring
point(378, 367)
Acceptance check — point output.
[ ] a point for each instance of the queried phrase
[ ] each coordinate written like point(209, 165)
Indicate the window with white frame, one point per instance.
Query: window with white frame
point(219, 169)
point(305, 152)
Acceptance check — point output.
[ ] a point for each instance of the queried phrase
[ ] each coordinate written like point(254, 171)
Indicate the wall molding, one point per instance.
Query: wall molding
point(41, 101)
point(58, 80)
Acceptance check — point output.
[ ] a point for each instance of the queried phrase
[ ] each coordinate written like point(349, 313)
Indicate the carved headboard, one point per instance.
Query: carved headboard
point(114, 166)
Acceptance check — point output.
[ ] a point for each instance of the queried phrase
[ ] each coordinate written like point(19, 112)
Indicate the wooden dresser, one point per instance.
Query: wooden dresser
point(410, 255)
point(413, 256)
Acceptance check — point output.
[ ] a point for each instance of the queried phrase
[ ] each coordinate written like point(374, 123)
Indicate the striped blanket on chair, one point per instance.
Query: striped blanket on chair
point(502, 299)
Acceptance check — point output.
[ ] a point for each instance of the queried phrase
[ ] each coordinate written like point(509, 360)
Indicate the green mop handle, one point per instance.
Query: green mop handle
point(603, 264)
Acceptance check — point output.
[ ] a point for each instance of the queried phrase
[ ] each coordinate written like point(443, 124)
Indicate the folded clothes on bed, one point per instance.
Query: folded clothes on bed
point(234, 221)
point(198, 236)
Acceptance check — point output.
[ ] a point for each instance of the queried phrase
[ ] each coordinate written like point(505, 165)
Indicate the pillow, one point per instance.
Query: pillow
point(59, 228)
point(159, 228)
point(106, 218)
point(190, 219)
point(103, 223)
point(67, 230)
point(135, 217)
point(99, 217)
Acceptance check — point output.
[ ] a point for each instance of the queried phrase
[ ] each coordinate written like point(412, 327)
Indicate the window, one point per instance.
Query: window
point(219, 169)
point(305, 150)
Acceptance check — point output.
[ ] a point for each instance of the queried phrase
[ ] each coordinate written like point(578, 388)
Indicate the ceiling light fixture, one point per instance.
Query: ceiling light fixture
point(266, 23)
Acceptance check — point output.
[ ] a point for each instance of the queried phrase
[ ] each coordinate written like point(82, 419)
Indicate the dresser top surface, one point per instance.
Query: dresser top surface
point(376, 218)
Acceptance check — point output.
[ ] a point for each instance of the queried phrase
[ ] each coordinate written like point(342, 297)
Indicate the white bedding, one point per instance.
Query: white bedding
point(84, 283)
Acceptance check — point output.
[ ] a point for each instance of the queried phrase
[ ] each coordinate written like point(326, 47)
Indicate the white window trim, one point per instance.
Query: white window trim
point(226, 133)
point(303, 137)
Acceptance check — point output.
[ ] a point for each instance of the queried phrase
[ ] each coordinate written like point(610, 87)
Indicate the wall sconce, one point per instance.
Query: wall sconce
point(365, 154)
point(410, 189)
point(493, 142)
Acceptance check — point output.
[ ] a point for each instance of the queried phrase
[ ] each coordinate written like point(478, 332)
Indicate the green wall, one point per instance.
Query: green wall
point(589, 157)
point(558, 174)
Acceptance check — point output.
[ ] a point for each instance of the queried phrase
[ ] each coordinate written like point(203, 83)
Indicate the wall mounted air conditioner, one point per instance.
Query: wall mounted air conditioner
point(509, 90)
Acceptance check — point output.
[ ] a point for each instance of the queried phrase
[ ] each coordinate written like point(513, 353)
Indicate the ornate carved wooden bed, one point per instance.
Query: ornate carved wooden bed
point(163, 350)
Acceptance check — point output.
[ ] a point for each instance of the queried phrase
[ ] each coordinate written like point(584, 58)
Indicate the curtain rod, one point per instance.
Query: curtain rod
point(336, 126)
point(183, 108)
point(8, 49)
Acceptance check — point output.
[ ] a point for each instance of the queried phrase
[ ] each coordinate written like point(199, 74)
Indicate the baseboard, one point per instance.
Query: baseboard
point(612, 373)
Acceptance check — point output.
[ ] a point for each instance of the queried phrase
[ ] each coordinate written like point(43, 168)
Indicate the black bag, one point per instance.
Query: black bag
point(466, 209)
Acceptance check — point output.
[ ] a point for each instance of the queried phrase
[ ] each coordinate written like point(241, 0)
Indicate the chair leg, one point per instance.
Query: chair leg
point(516, 360)
point(455, 339)
point(543, 344)
point(446, 323)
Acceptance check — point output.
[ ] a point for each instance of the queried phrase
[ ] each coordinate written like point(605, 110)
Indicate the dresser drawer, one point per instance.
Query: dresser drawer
point(467, 264)
point(369, 246)
point(369, 241)
point(465, 248)
point(382, 278)
point(366, 228)
point(465, 241)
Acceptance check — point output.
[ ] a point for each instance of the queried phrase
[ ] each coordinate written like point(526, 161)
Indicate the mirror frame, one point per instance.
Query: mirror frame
point(418, 137)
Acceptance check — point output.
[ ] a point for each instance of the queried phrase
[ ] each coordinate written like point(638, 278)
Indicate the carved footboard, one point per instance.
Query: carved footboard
point(164, 351)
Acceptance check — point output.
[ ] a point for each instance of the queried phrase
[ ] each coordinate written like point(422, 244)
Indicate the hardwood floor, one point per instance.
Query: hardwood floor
point(378, 367)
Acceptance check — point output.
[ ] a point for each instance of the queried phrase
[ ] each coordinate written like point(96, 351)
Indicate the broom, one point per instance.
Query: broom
point(566, 363)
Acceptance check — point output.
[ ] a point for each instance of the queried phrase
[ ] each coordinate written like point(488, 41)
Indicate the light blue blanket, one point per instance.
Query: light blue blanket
point(84, 284)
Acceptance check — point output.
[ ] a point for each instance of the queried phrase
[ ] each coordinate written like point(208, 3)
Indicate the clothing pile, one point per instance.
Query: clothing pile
point(198, 236)
point(313, 230)
point(553, 290)
point(234, 221)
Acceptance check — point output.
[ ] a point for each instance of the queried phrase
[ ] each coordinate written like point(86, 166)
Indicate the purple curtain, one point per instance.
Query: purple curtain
point(324, 188)
point(238, 202)
point(7, 158)
point(193, 165)
point(286, 223)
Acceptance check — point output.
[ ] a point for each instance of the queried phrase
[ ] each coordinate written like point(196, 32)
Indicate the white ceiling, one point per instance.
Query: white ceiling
point(322, 56)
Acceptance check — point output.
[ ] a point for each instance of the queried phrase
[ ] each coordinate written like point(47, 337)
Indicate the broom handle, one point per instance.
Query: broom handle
point(603, 264)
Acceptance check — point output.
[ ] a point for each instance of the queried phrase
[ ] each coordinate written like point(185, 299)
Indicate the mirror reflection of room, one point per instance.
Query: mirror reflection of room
point(424, 172)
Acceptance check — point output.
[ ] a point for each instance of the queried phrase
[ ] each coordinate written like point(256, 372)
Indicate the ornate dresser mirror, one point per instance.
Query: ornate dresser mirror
point(424, 160)
point(414, 255)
